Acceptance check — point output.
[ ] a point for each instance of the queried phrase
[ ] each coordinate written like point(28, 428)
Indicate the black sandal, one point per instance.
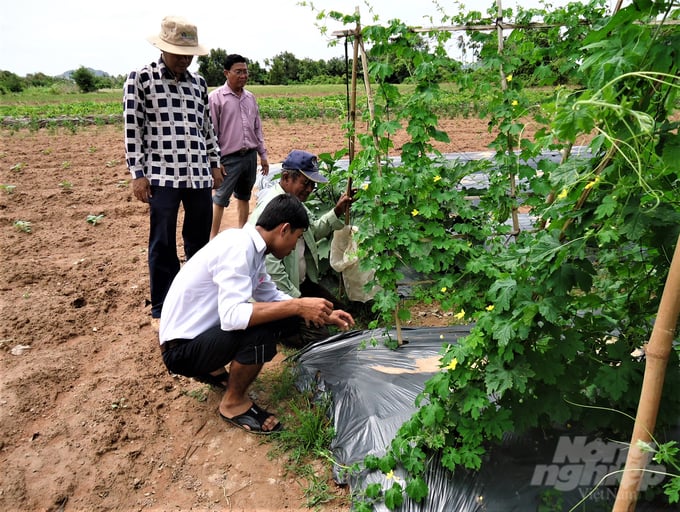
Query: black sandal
point(253, 420)
point(220, 381)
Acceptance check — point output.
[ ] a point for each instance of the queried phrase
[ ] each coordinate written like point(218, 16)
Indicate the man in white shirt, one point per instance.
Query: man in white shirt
point(224, 308)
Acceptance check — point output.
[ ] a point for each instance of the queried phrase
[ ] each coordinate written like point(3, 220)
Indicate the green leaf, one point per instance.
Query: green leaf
point(607, 207)
point(394, 496)
point(504, 333)
point(373, 490)
point(432, 414)
point(417, 489)
point(502, 292)
point(497, 378)
point(672, 489)
point(671, 149)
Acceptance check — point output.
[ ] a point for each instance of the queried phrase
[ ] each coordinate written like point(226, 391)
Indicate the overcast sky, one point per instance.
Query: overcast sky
point(52, 37)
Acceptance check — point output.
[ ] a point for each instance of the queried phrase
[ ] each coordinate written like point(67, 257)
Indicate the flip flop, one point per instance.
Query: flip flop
point(252, 421)
point(219, 381)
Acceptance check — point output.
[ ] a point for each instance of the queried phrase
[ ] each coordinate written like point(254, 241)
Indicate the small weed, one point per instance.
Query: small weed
point(26, 295)
point(66, 165)
point(9, 189)
point(123, 183)
point(23, 225)
point(3, 154)
point(46, 151)
point(304, 444)
point(66, 185)
point(92, 149)
point(18, 167)
point(200, 394)
point(318, 491)
point(95, 219)
point(112, 163)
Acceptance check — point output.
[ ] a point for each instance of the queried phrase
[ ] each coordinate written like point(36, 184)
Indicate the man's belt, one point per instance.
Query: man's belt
point(241, 152)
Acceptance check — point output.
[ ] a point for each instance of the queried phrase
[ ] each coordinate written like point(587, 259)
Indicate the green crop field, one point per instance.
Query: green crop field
point(45, 106)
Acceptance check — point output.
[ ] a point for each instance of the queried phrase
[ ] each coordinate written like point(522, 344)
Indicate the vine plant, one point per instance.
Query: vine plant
point(558, 310)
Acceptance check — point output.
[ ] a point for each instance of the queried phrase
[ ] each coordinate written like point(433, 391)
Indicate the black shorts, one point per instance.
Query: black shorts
point(241, 172)
point(216, 348)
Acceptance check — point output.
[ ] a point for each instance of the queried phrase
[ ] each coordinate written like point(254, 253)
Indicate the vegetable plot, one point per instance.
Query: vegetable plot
point(561, 312)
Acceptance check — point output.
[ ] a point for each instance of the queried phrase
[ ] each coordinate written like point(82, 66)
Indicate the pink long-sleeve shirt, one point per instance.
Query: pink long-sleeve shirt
point(236, 120)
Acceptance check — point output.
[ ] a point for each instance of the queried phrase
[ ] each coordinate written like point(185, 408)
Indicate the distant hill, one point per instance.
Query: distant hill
point(96, 72)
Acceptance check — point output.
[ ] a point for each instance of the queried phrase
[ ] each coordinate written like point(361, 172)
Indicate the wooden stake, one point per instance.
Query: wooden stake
point(353, 92)
point(657, 352)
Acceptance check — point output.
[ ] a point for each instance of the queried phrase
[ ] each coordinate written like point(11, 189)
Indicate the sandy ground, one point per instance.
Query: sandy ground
point(89, 417)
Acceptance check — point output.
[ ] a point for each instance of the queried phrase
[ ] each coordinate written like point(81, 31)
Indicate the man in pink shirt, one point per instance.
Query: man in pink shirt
point(236, 118)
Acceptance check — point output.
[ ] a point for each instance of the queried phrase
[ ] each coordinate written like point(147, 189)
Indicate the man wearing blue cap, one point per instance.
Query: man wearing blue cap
point(298, 273)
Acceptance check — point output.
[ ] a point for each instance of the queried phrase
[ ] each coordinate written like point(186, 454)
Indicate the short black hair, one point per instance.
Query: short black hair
point(282, 209)
point(232, 59)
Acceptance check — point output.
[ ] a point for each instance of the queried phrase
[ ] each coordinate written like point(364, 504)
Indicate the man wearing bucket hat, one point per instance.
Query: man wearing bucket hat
point(298, 273)
point(172, 151)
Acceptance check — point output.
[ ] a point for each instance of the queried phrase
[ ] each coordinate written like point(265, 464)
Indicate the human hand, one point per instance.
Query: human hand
point(218, 174)
point(315, 310)
point(341, 319)
point(265, 166)
point(343, 204)
point(141, 188)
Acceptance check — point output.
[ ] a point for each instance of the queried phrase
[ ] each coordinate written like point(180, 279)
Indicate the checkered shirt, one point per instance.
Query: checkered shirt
point(169, 137)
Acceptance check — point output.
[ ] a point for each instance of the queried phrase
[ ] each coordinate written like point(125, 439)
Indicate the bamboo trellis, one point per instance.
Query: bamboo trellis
point(659, 346)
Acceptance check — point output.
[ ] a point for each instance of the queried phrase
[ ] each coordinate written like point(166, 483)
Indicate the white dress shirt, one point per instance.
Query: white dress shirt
point(216, 285)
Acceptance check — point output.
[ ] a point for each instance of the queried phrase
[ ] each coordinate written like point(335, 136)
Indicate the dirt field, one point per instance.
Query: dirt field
point(89, 417)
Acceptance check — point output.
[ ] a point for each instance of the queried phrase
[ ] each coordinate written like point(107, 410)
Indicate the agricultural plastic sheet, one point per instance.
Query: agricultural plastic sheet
point(373, 389)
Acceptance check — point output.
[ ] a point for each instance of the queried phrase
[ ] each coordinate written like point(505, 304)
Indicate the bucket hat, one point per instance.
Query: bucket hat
point(178, 36)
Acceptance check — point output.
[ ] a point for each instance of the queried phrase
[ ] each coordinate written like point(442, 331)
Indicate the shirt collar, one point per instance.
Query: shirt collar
point(258, 241)
point(166, 72)
point(229, 90)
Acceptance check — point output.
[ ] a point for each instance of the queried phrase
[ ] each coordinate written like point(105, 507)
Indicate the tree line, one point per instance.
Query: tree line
point(282, 69)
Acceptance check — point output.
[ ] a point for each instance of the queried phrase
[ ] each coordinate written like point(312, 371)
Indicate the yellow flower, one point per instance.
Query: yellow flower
point(441, 336)
point(452, 365)
point(562, 194)
point(490, 307)
point(390, 474)
point(459, 316)
point(444, 289)
point(365, 186)
point(414, 212)
point(593, 183)
point(509, 78)
point(437, 178)
point(515, 103)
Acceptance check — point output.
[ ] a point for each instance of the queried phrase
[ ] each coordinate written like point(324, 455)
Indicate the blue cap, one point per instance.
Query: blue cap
point(306, 163)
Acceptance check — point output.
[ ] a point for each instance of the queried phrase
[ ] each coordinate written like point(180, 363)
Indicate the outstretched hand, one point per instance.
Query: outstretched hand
point(341, 319)
point(320, 312)
point(315, 310)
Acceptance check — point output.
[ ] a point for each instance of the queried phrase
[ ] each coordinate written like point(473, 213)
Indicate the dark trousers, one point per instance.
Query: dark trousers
point(215, 348)
point(164, 210)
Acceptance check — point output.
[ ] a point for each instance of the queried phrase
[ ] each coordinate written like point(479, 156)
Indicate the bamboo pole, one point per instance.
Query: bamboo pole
point(353, 93)
point(504, 86)
point(657, 352)
point(353, 111)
